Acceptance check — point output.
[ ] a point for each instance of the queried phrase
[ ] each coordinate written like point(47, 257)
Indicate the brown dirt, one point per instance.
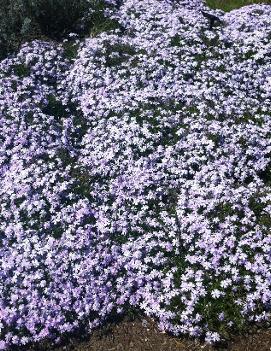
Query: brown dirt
point(143, 335)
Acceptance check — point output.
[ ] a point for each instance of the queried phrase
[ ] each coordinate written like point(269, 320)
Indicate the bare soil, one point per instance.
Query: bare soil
point(143, 335)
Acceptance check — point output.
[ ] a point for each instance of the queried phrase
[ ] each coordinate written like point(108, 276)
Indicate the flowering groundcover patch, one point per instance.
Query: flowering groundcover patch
point(135, 172)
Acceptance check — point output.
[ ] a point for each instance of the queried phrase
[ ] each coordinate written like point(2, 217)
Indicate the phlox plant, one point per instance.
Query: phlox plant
point(135, 173)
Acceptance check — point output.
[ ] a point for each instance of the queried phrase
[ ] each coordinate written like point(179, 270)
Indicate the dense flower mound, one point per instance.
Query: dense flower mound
point(137, 174)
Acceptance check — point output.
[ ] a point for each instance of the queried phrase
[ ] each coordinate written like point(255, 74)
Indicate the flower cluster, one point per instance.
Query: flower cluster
point(138, 174)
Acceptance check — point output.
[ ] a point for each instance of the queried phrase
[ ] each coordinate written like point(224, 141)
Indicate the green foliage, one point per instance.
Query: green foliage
point(25, 20)
point(54, 108)
point(102, 25)
point(70, 50)
point(55, 17)
point(233, 321)
point(228, 5)
point(21, 70)
point(175, 41)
